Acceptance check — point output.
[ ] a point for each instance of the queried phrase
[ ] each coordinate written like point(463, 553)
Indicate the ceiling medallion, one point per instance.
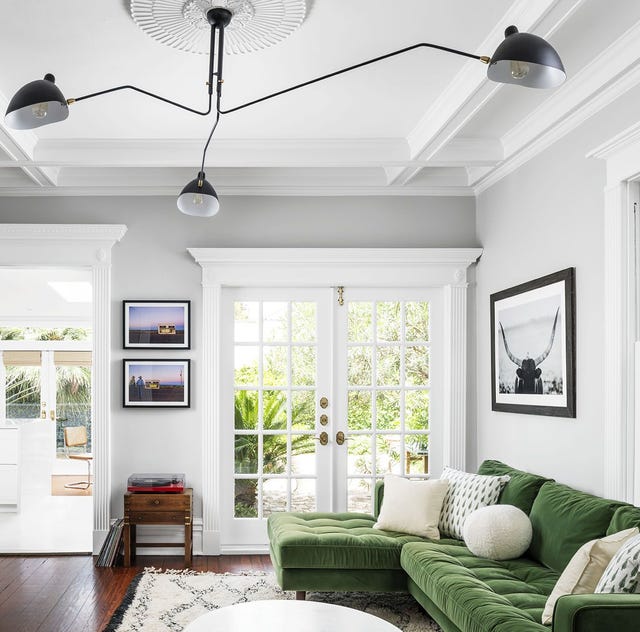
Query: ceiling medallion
point(182, 24)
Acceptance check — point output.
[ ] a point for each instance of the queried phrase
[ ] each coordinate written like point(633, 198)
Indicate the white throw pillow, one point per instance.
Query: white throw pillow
point(467, 492)
point(584, 570)
point(411, 506)
point(622, 573)
point(497, 532)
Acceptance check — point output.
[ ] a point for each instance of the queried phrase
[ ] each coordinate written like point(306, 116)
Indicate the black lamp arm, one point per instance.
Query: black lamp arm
point(481, 58)
point(212, 74)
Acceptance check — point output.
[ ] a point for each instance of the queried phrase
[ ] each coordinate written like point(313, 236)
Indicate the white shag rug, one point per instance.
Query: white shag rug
point(159, 601)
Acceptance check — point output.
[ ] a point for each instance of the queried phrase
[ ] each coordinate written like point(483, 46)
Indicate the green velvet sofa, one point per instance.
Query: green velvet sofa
point(463, 593)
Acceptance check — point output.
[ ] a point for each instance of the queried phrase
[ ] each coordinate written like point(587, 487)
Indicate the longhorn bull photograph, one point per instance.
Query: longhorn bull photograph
point(533, 346)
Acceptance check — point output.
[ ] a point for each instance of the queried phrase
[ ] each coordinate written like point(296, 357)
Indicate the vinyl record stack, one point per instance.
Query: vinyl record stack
point(108, 555)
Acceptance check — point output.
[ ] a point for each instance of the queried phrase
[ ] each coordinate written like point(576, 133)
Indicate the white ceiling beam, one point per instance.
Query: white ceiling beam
point(470, 90)
point(610, 75)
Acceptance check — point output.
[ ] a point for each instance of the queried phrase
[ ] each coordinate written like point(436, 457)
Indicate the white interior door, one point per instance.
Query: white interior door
point(275, 453)
point(387, 381)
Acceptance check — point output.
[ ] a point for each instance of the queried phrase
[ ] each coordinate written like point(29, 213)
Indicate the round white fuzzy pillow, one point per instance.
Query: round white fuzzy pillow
point(497, 532)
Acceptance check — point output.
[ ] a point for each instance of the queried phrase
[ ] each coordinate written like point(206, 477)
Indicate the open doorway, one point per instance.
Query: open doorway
point(45, 400)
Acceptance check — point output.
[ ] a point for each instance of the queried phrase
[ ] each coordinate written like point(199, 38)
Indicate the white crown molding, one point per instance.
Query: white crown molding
point(610, 75)
point(67, 232)
point(347, 256)
point(249, 191)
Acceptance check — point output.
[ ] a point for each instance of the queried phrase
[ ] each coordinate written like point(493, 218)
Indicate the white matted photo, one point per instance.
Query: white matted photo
point(533, 347)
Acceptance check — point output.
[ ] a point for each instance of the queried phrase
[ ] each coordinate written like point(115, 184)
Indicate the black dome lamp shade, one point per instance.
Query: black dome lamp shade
point(526, 60)
point(199, 198)
point(36, 104)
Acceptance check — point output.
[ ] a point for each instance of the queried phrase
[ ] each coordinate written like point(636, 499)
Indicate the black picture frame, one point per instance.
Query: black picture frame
point(523, 331)
point(156, 383)
point(156, 324)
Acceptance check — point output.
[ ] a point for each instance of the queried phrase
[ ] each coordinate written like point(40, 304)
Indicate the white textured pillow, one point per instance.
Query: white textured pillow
point(622, 573)
point(411, 506)
point(497, 532)
point(584, 570)
point(467, 492)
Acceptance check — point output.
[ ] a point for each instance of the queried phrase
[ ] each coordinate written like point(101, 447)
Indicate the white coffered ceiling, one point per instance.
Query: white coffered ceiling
point(424, 123)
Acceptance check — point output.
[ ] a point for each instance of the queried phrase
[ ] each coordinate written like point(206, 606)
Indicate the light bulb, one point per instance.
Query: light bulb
point(519, 69)
point(39, 110)
point(198, 199)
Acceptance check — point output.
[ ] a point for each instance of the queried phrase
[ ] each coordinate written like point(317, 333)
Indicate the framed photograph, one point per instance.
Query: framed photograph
point(156, 383)
point(533, 360)
point(157, 324)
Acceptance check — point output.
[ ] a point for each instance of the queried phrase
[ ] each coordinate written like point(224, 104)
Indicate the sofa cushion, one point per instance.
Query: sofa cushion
point(334, 540)
point(477, 594)
point(625, 517)
point(563, 519)
point(522, 488)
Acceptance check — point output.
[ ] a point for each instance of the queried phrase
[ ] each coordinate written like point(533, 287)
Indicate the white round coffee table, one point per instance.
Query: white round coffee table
point(284, 615)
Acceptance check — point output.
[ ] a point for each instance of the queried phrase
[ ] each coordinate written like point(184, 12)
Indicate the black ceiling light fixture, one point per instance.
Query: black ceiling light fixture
point(522, 58)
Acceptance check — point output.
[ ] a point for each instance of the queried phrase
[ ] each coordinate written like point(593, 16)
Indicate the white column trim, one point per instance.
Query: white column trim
point(444, 268)
point(455, 375)
point(88, 246)
point(621, 397)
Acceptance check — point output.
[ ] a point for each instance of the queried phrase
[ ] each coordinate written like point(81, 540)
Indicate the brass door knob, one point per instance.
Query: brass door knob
point(340, 438)
point(323, 438)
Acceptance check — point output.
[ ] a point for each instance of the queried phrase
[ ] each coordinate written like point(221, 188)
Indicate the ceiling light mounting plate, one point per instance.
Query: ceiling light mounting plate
point(219, 17)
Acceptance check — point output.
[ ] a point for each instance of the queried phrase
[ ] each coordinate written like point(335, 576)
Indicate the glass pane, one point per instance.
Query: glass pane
point(274, 495)
point(416, 411)
point(303, 322)
point(388, 321)
point(274, 454)
point(275, 366)
point(246, 327)
point(388, 410)
point(246, 410)
point(359, 495)
point(303, 410)
point(416, 366)
point(388, 455)
point(275, 322)
point(23, 392)
point(417, 454)
point(417, 322)
point(388, 367)
point(246, 365)
point(303, 455)
point(359, 366)
point(246, 498)
point(274, 410)
point(359, 410)
point(303, 366)
point(359, 324)
point(73, 404)
point(246, 454)
point(359, 454)
point(303, 494)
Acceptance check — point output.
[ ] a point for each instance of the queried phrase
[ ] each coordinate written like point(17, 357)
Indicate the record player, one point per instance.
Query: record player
point(156, 483)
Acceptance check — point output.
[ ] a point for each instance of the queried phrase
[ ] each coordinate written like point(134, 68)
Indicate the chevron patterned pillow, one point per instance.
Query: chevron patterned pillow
point(466, 493)
point(622, 573)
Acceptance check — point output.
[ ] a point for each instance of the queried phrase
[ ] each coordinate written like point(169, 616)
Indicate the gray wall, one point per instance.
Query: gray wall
point(546, 216)
point(152, 262)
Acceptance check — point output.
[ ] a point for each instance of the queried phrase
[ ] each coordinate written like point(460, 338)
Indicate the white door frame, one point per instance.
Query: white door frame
point(80, 246)
point(329, 267)
point(621, 356)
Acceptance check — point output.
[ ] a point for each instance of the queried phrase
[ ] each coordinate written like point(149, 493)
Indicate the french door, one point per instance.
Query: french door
point(323, 393)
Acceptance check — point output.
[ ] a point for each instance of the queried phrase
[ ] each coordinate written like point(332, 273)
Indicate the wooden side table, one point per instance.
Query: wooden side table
point(160, 509)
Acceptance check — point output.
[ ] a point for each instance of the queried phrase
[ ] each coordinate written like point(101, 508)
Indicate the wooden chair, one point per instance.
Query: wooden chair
point(76, 437)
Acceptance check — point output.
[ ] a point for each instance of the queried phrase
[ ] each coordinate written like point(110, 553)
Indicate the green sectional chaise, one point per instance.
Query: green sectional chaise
point(462, 592)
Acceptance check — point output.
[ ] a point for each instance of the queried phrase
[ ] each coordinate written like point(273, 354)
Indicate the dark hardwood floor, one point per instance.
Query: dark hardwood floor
point(69, 594)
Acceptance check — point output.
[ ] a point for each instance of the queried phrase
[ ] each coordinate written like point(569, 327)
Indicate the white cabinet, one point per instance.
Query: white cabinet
point(9, 468)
